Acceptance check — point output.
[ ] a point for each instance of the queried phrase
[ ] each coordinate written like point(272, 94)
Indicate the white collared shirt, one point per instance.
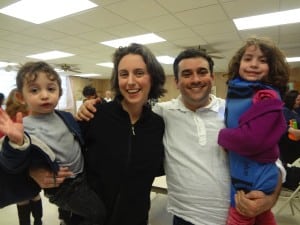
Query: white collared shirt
point(196, 167)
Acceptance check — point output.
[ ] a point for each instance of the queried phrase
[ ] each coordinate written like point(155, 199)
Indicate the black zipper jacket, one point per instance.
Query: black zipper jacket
point(122, 160)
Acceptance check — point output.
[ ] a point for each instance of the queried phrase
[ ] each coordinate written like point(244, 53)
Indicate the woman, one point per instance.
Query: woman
point(124, 148)
point(290, 146)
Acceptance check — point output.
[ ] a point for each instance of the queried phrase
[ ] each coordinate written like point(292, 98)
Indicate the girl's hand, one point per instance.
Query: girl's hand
point(14, 130)
point(294, 134)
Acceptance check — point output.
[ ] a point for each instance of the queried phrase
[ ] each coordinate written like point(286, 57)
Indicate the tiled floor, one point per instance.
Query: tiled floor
point(158, 214)
point(8, 215)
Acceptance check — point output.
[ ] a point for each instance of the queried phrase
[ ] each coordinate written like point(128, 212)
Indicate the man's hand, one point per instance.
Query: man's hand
point(256, 202)
point(252, 203)
point(87, 109)
point(14, 130)
point(47, 179)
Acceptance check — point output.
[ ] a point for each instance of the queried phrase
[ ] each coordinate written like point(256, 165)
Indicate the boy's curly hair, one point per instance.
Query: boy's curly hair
point(29, 73)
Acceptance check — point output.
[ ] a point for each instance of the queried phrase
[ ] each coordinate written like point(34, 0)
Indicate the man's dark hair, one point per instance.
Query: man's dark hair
point(192, 53)
point(29, 73)
point(89, 91)
point(290, 99)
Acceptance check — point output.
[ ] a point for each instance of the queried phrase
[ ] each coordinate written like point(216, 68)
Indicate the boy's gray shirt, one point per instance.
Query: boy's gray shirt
point(52, 130)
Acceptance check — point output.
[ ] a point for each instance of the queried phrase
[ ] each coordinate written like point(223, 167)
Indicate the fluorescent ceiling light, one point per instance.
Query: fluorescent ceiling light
point(106, 64)
point(268, 20)
point(58, 70)
point(165, 59)
point(4, 64)
point(41, 11)
point(293, 59)
point(50, 55)
point(140, 39)
point(87, 75)
point(162, 59)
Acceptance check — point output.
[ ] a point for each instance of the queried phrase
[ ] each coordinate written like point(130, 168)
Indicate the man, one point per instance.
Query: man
point(195, 166)
point(89, 92)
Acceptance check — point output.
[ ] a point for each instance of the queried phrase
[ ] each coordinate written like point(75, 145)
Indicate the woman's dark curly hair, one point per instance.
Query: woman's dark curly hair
point(154, 69)
point(290, 99)
point(279, 70)
point(30, 71)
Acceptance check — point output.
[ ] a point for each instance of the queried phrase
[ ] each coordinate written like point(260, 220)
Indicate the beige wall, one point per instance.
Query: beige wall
point(78, 84)
point(170, 86)
point(220, 84)
point(295, 78)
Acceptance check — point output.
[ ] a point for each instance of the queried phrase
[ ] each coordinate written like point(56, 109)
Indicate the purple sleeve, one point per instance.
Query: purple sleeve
point(260, 128)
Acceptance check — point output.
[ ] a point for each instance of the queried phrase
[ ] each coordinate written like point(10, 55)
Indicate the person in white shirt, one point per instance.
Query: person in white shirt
point(108, 96)
point(196, 167)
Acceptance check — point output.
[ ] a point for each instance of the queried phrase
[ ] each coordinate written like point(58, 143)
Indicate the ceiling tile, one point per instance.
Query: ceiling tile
point(215, 28)
point(242, 8)
point(181, 6)
point(209, 14)
point(160, 23)
point(207, 23)
point(134, 10)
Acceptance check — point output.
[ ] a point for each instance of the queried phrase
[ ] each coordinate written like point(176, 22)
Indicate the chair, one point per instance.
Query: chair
point(160, 185)
point(292, 197)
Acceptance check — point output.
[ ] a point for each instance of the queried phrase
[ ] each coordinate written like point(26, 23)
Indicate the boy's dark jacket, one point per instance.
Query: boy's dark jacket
point(16, 185)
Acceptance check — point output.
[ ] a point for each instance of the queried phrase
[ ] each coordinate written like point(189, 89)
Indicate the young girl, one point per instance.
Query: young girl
point(257, 78)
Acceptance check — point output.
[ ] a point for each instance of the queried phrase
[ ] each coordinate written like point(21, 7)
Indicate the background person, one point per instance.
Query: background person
point(89, 92)
point(1, 103)
point(108, 96)
point(2, 97)
point(32, 206)
point(290, 148)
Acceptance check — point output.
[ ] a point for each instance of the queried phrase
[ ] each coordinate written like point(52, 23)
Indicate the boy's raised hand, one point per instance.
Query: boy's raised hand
point(14, 130)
